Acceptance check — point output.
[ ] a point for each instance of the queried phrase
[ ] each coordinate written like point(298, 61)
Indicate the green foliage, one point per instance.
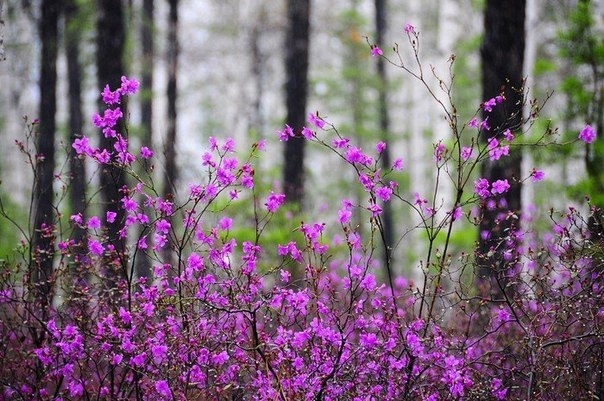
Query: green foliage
point(10, 215)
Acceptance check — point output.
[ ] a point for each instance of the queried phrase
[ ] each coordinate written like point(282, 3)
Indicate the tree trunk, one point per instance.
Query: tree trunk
point(110, 49)
point(386, 217)
point(2, 55)
point(43, 238)
point(296, 87)
point(77, 167)
point(143, 261)
point(171, 172)
point(502, 54)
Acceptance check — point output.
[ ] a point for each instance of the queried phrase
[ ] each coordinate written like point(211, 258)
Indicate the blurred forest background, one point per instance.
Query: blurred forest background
point(223, 68)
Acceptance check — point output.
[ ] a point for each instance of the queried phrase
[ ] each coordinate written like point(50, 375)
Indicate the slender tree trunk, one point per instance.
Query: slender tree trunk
point(143, 261)
point(44, 219)
point(77, 167)
point(386, 218)
point(296, 87)
point(502, 56)
point(171, 172)
point(2, 55)
point(110, 68)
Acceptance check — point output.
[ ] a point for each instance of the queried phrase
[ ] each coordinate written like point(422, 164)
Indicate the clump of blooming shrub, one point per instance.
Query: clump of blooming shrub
point(224, 317)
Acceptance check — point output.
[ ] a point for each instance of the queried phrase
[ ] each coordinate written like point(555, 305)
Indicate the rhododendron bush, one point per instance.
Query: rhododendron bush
point(313, 318)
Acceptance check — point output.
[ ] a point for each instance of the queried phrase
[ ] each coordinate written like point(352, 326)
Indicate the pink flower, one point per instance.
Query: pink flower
point(94, 223)
point(286, 133)
point(481, 187)
point(129, 86)
point(587, 134)
point(409, 29)
point(537, 175)
point(499, 187)
point(95, 247)
point(380, 147)
point(398, 164)
point(146, 153)
point(316, 120)
point(306, 133)
point(273, 201)
point(466, 153)
point(376, 51)
point(163, 389)
point(111, 216)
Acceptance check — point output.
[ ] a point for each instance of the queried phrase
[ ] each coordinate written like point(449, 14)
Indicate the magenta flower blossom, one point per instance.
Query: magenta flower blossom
point(398, 164)
point(95, 247)
point(129, 86)
point(111, 216)
point(537, 175)
point(273, 201)
point(81, 146)
point(409, 29)
point(286, 133)
point(481, 188)
point(466, 153)
point(163, 389)
point(473, 123)
point(307, 134)
point(110, 97)
point(587, 134)
point(499, 187)
point(94, 223)
point(376, 51)
point(316, 120)
point(507, 134)
point(146, 153)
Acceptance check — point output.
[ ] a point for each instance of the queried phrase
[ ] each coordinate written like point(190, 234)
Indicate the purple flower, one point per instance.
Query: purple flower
point(466, 153)
point(146, 153)
point(273, 201)
point(537, 175)
point(307, 134)
point(409, 29)
point(286, 133)
point(376, 51)
point(163, 389)
point(316, 120)
point(94, 223)
point(499, 187)
point(129, 86)
point(95, 247)
point(481, 187)
point(587, 134)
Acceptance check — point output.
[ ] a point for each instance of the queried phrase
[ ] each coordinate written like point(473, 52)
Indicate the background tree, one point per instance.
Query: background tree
point(111, 39)
point(171, 172)
point(44, 218)
point(77, 167)
point(582, 47)
point(2, 55)
point(147, 31)
point(296, 93)
point(502, 56)
point(384, 124)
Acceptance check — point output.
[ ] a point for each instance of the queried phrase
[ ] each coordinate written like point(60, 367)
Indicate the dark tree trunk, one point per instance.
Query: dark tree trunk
point(77, 167)
point(502, 54)
point(2, 55)
point(170, 146)
point(296, 88)
point(43, 238)
point(386, 217)
point(171, 172)
point(143, 261)
point(110, 50)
